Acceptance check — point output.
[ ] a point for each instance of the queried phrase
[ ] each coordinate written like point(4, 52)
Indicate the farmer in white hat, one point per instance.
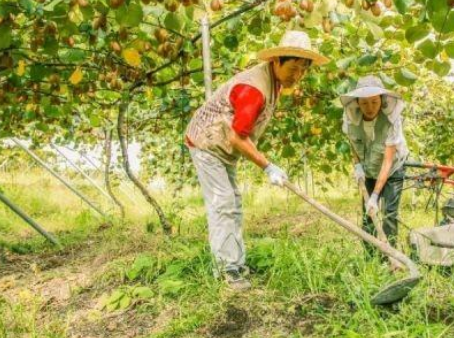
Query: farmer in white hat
point(373, 123)
point(227, 127)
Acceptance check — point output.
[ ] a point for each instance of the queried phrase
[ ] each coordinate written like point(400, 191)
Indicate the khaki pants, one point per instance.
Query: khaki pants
point(224, 210)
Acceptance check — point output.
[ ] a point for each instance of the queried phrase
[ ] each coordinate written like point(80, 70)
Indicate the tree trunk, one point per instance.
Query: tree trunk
point(124, 151)
point(108, 153)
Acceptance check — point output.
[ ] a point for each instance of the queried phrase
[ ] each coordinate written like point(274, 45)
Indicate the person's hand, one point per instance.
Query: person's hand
point(372, 204)
point(359, 173)
point(276, 175)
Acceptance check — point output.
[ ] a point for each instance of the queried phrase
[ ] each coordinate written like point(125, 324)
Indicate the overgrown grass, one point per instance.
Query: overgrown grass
point(310, 277)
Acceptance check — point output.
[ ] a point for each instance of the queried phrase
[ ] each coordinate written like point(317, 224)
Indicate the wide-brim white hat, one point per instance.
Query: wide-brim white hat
point(297, 44)
point(366, 87)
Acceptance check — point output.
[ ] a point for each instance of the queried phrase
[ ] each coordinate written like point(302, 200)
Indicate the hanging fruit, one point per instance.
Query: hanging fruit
point(285, 10)
point(54, 79)
point(100, 23)
point(388, 3)
point(116, 3)
point(123, 34)
point(366, 5)
point(69, 41)
point(161, 35)
point(216, 5)
point(349, 3)
point(327, 25)
point(116, 47)
point(310, 6)
point(376, 9)
point(171, 5)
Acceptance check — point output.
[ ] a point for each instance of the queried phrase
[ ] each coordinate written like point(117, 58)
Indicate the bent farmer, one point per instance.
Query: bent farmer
point(227, 127)
point(373, 123)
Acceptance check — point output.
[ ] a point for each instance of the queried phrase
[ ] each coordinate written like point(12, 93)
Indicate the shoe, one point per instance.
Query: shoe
point(236, 281)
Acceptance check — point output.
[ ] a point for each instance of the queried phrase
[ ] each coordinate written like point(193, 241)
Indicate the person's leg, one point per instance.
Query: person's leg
point(368, 225)
point(221, 204)
point(238, 214)
point(391, 194)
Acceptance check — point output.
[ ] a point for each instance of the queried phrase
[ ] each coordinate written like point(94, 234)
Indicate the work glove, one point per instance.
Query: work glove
point(359, 173)
point(372, 204)
point(276, 175)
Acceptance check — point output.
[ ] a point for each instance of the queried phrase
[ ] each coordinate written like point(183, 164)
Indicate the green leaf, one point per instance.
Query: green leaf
point(428, 48)
point(124, 302)
point(234, 25)
point(404, 77)
point(449, 48)
point(51, 111)
point(38, 72)
point(112, 306)
point(408, 75)
point(168, 286)
point(116, 296)
point(95, 121)
point(443, 21)
point(434, 6)
point(417, 33)
point(402, 5)
point(327, 169)
point(367, 60)
point(172, 22)
point(343, 147)
point(129, 16)
point(27, 5)
point(231, 42)
point(386, 21)
point(42, 126)
point(375, 30)
point(388, 81)
point(68, 28)
point(255, 27)
point(195, 64)
point(345, 63)
point(88, 12)
point(288, 151)
point(5, 33)
point(50, 45)
point(143, 292)
point(50, 6)
point(441, 68)
point(74, 56)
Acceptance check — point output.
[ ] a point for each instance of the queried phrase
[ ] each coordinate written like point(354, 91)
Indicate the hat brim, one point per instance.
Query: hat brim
point(270, 53)
point(365, 92)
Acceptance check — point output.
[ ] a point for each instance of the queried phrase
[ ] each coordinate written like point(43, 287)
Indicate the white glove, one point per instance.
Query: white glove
point(372, 204)
point(359, 173)
point(276, 175)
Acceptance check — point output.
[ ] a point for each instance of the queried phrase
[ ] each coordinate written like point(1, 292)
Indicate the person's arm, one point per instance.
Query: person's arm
point(358, 171)
point(355, 157)
point(247, 148)
point(390, 152)
point(247, 102)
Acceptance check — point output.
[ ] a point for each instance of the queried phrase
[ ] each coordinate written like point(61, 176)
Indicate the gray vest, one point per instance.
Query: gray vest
point(371, 154)
point(210, 127)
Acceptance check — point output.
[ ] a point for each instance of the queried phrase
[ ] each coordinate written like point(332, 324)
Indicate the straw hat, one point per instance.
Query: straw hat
point(297, 44)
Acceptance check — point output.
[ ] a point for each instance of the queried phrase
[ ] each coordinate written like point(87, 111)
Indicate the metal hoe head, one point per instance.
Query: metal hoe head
point(395, 292)
point(391, 293)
